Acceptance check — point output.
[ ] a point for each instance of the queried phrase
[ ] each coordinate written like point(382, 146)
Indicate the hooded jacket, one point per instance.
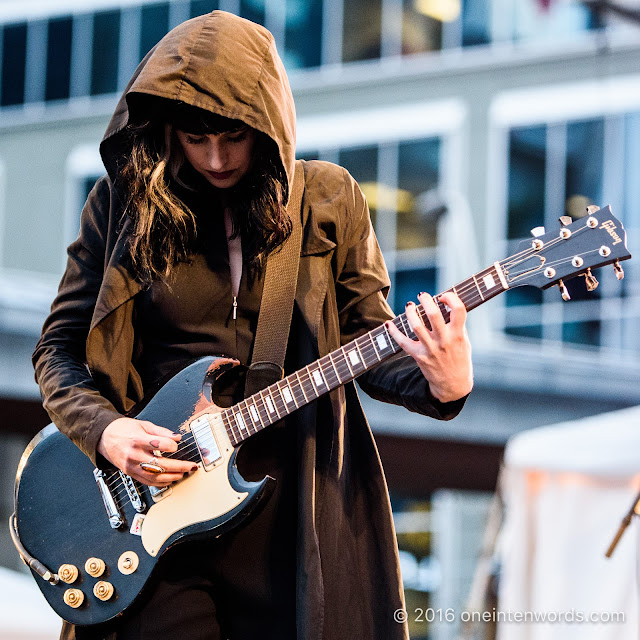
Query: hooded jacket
point(348, 582)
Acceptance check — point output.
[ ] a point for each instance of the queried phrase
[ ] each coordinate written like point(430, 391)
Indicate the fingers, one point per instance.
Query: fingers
point(174, 470)
point(458, 314)
point(165, 440)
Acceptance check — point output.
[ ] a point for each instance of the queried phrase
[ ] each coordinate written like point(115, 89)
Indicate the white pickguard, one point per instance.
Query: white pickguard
point(203, 496)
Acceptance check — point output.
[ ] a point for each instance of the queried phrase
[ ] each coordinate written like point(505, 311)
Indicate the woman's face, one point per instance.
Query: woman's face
point(222, 158)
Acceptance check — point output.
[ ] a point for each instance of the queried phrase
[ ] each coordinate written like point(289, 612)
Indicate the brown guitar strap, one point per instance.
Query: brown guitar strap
point(278, 293)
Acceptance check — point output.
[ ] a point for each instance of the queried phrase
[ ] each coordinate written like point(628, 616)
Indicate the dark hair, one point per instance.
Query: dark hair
point(156, 178)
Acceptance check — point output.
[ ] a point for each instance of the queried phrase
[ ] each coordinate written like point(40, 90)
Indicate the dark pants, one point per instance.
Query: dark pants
point(241, 586)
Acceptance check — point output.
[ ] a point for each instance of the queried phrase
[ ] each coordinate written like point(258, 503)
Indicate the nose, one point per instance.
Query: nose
point(216, 154)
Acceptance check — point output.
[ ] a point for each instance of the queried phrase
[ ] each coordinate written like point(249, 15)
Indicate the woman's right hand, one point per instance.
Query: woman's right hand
point(126, 442)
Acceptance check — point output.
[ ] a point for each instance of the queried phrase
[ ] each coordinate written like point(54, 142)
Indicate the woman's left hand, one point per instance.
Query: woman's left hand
point(443, 352)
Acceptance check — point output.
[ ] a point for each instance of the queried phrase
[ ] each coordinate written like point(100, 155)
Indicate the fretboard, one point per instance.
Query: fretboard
point(337, 368)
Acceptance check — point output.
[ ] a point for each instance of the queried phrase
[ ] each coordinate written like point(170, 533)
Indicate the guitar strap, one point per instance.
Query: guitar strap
point(278, 293)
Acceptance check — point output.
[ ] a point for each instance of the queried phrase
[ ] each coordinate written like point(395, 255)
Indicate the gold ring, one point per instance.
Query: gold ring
point(152, 466)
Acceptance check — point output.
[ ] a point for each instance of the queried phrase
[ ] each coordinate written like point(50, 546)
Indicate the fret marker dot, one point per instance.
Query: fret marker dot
point(286, 392)
point(318, 378)
point(489, 282)
point(240, 420)
point(254, 413)
point(353, 356)
point(270, 406)
point(382, 343)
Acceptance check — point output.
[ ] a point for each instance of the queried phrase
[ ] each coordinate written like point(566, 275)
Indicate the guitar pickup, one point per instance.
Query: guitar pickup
point(202, 431)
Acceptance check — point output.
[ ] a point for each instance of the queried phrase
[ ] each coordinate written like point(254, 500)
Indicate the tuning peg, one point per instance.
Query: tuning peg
point(564, 292)
point(565, 220)
point(619, 270)
point(592, 208)
point(590, 280)
point(537, 231)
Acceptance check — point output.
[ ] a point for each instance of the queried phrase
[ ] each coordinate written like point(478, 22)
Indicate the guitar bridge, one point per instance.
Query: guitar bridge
point(115, 519)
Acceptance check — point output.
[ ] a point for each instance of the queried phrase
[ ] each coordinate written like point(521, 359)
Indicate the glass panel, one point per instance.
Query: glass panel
point(303, 33)
point(200, 7)
point(584, 165)
point(14, 58)
point(154, 25)
point(582, 332)
point(547, 19)
point(418, 173)
point(362, 30)
point(408, 284)
point(527, 158)
point(422, 25)
point(523, 296)
point(362, 164)
point(476, 16)
point(104, 63)
point(253, 10)
point(58, 58)
point(533, 331)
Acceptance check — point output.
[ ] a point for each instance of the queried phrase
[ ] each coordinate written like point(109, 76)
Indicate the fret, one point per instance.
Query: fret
point(346, 359)
point(306, 399)
point(255, 415)
point(281, 405)
point(362, 352)
point(310, 382)
point(478, 287)
point(262, 410)
point(287, 395)
point(355, 360)
point(230, 427)
point(329, 372)
point(333, 364)
point(270, 404)
point(317, 378)
point(373, 345)
point(239, 418)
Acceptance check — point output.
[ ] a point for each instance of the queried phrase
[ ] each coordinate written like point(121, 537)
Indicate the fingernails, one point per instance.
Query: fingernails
point(409, 303)
point(154, 443)
point(421, 293)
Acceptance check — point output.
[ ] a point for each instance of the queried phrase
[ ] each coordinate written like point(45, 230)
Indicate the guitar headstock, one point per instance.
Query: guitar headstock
point(574, 249)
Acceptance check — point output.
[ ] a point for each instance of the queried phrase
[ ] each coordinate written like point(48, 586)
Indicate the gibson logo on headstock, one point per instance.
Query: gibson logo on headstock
point(609, 227)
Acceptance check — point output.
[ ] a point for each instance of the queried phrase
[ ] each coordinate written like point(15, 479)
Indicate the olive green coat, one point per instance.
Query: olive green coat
point(348, 578)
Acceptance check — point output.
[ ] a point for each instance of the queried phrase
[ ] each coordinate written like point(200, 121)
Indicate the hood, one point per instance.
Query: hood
point(221, 63)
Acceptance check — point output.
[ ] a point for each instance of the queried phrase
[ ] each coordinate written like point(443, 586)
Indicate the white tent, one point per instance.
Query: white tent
point(566, 489)
point(24, 613)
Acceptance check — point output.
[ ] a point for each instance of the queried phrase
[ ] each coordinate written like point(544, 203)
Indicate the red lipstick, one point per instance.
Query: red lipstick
point(220, 176)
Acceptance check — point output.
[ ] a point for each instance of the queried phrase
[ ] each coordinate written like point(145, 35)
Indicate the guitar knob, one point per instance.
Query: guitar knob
point(95, 567)
point(68, 573)
point(103, 590)
point(73, 598)
point(128, 562)
point(619, 270)
point(591, 281)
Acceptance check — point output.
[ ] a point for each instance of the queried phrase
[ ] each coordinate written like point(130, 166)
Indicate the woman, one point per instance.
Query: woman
point(168, 266)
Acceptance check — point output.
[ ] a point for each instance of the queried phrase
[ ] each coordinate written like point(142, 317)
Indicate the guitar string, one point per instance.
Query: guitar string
point(468, 286)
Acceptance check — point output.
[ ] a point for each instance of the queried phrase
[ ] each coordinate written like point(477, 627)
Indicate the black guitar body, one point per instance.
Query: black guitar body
point(62, 519)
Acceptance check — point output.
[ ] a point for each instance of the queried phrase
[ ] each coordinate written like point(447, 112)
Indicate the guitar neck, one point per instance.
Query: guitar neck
point(346, 363)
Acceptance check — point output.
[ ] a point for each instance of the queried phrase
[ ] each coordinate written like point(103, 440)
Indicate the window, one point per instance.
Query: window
point(403, 170)
point(155, 24)
point(559, 168)
point(14, 57)
point(58, 58)
point(104, 61)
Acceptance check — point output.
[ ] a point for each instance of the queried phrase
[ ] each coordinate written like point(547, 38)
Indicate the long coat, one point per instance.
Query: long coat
point(348, 582)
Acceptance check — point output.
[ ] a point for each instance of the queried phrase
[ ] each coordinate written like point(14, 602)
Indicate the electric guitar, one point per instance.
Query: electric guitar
point(92, 536)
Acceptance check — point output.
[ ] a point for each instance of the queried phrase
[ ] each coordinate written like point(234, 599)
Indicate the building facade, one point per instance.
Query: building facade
point(466, 123)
